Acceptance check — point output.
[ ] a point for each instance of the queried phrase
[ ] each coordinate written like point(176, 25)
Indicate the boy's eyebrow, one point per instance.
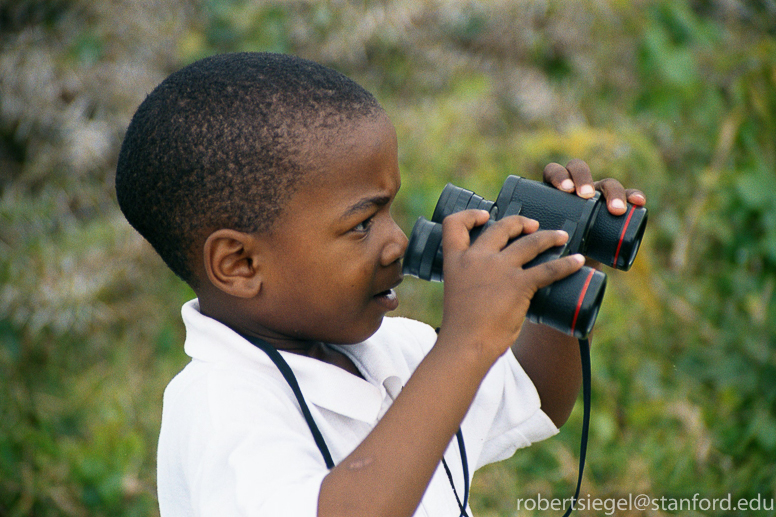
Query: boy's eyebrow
point(366, 204)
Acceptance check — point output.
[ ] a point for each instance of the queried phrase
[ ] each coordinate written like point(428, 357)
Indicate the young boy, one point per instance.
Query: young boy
point(266, 181)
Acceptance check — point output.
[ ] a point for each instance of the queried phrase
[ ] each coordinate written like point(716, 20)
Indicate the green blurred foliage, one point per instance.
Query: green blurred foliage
point(677, 98)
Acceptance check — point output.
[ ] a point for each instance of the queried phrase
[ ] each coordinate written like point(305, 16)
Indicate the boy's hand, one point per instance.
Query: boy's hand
point(487, 291)
point(576, 177)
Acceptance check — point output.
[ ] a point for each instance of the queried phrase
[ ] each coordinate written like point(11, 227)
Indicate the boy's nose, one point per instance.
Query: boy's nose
point(395, 248)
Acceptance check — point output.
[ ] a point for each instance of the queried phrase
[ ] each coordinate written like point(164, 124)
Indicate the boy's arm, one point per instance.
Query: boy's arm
point(550, 358)
point(387, 474)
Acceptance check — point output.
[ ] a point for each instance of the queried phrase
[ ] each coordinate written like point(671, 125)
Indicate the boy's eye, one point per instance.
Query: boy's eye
point(363, 226)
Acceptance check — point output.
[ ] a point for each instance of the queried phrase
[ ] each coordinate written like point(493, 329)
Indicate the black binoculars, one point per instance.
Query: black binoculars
point(569, 305)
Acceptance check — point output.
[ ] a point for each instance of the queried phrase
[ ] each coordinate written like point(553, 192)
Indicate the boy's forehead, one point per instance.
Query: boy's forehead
point(357, 151)
point(360, 160)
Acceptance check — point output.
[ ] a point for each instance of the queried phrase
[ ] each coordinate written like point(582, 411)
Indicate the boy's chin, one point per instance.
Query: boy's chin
point(361, 336)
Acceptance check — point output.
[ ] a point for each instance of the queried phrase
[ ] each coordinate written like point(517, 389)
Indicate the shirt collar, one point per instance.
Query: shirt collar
point(322, 384)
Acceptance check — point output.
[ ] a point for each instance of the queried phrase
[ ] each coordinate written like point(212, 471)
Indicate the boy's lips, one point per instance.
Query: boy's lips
point(388, 298)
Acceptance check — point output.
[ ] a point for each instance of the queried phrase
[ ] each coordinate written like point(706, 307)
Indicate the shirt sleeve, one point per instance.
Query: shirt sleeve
point(506, 413)
point(242, 448)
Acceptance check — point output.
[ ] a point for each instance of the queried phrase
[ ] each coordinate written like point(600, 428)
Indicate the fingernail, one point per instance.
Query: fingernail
point(567, 185)
point(580, 259)
point(618, 204)
point(586, 190)
point(563, 234)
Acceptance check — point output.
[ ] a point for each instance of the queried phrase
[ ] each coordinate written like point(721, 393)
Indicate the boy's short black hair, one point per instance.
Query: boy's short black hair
point(223, 143)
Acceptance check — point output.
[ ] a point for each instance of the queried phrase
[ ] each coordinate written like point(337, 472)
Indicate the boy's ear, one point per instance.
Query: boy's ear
point(233, 262)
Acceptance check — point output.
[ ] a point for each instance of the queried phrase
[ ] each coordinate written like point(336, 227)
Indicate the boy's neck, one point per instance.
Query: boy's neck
point(329, 355)
point(321, 352)
point(314, 349)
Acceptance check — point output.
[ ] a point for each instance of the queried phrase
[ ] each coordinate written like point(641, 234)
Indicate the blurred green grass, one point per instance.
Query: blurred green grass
point(677, 98)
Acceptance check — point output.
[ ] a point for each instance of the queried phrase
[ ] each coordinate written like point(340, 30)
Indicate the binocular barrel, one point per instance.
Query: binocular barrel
point(570, 305)
point(611, 240)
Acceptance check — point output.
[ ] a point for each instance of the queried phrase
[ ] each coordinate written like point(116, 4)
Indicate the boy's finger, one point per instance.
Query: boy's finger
point(456, 228)
point(582, 177)
point(497, 237)
point(554, 270)
point(635, 197)
point(615, 196)
point(526, 248)
point(559, 177)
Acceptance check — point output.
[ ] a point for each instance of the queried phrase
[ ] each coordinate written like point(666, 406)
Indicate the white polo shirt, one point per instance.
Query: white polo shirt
point(234, 442)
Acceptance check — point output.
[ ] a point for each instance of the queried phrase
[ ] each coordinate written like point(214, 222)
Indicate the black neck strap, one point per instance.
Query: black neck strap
point(465, 467)
point(282, 365)
point(584, 352)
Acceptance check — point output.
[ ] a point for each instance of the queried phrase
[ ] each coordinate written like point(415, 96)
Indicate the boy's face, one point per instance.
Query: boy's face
point(335, 253)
